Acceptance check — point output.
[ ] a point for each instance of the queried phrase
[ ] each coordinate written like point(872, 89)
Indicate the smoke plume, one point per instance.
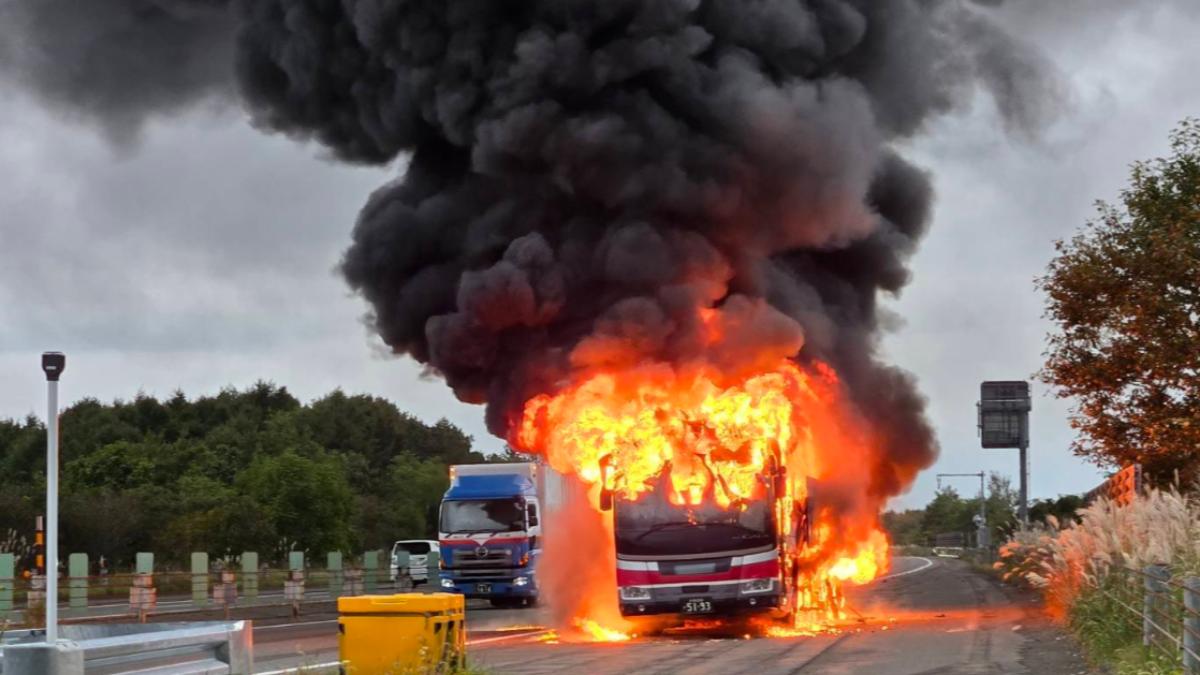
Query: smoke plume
point(585, 178)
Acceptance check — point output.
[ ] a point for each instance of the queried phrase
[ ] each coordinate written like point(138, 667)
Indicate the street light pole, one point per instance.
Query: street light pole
point(53, 363)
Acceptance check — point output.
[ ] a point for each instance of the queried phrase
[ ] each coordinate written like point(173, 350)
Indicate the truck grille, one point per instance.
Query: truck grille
point(493, 558)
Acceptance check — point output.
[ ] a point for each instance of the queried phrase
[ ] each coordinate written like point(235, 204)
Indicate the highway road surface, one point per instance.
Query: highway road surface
point(930, 616)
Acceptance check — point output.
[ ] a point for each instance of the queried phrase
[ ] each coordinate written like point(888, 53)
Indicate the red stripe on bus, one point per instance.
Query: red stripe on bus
point(758, 570)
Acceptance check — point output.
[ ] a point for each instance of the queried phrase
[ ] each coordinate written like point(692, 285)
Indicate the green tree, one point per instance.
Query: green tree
point(1063, 508)
point(946, 513)
point(1125, 297)
point(905, 527)
point(307, 500)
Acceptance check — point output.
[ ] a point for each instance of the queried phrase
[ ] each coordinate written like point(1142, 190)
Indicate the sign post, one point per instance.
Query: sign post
point(53, 364)
point(1004, 423)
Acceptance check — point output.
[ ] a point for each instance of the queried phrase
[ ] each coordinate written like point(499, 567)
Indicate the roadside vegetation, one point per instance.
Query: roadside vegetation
point(1088, 569)
point(1124, 297)
point(950, 513)
point(251, 470)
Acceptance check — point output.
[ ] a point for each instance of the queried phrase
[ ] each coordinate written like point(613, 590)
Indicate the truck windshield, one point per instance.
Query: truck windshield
point(653, 526)
point(482, 515)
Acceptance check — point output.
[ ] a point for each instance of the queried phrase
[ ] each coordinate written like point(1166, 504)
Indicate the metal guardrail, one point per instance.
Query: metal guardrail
point(153, 649)
point(1166, 610)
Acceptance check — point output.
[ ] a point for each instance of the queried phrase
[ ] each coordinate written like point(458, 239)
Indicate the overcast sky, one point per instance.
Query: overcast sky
point(204, 256)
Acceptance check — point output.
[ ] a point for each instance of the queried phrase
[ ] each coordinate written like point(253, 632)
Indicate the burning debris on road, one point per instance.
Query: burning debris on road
point(651, 236)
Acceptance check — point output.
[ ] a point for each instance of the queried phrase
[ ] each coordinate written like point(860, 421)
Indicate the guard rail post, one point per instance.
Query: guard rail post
point(371, 572)
point(333, 565)
point(199, 578)
point(225, 592)
point(77, 569)
point(143, 597)
point(8, 579)
point(1156, 577)
point(293, 587)
point(1191, 626)
point(250, 574)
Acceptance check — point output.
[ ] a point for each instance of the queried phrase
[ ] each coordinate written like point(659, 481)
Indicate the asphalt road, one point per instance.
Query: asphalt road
point(933, 617)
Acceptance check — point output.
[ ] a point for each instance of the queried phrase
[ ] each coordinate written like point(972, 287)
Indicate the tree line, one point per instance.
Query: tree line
point(950, 513)
point(250, 470)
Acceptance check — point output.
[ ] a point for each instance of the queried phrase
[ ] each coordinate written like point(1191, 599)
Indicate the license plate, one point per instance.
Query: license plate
point(697, 606)
point(483, 588)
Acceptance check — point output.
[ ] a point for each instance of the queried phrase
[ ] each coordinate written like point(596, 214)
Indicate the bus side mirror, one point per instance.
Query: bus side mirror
point(606, 499)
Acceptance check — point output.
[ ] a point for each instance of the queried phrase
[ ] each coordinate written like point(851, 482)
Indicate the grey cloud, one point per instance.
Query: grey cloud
point(117, 63)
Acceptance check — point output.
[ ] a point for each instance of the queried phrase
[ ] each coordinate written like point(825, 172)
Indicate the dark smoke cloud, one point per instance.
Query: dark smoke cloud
point(585, 175)
point(116, 63)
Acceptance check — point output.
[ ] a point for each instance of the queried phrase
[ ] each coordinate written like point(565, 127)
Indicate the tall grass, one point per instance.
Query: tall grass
point(1079, 567)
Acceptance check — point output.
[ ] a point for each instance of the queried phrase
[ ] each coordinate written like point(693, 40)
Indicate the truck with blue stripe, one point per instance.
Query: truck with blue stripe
point(490, 530)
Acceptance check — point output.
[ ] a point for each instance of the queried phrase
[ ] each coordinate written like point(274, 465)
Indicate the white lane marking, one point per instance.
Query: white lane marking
point(502, 638)
point(922, 568)
point(304, 668)
point(293, 625)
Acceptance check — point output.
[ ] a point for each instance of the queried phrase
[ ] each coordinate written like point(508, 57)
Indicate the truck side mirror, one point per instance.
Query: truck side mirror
point(531, 514)
point(606, 499)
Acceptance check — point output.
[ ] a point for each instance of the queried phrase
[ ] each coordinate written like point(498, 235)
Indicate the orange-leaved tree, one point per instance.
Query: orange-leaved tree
point(1125, 295)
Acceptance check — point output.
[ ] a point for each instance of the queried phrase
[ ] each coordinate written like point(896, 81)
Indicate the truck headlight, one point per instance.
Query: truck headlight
point(521, 581)
point(758, 586)
point(634, 593)
point(447, 583)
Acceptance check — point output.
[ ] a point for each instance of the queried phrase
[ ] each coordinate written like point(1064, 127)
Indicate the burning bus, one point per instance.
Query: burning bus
point(706, 480)
point(696, 559)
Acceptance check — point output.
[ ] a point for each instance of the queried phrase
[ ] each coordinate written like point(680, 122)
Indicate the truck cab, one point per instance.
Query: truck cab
point(489, 531)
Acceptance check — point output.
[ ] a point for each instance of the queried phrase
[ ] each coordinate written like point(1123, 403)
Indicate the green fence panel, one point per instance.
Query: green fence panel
point(77, 570)
point(371, 571)
point(199, 578)
point(144, 563)
point(433, 568)
point(250, 574)
point(333, 564)
point(7, 576)
point(296, 560)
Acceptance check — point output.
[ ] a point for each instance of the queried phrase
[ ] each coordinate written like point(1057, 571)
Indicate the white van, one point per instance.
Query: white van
point(418, 554)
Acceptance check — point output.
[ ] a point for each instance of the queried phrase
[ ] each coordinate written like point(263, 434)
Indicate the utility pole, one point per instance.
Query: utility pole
point(53, 364)
point(980, 519)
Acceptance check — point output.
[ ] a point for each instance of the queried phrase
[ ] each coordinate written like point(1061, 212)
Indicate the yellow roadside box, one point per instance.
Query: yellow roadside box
point(405, 634)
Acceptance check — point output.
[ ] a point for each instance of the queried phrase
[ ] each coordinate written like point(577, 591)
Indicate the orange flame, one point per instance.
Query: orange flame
point(718, 439)
point(597, 633)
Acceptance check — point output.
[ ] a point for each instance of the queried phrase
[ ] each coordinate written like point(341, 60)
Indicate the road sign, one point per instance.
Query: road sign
point(1003, 409)
point(1004, 414)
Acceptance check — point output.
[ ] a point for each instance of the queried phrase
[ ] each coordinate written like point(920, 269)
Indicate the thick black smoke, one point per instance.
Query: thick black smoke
point(583, 176)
